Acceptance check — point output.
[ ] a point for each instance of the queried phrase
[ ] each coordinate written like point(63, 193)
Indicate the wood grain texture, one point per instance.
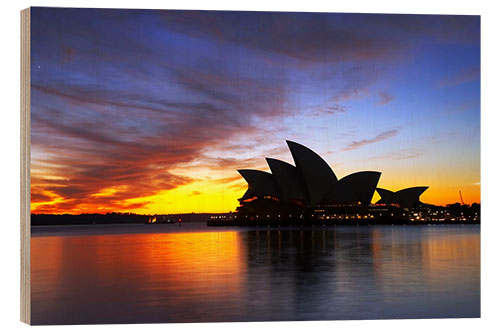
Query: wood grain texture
point(25, 166)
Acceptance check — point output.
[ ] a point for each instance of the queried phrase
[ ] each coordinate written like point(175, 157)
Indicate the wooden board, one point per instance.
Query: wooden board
point(25, 167)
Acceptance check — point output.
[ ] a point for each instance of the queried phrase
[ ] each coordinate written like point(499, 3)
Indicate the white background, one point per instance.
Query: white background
point(490, 142)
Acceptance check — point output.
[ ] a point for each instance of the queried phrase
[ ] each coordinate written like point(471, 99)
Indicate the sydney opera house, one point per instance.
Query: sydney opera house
point(311, 189)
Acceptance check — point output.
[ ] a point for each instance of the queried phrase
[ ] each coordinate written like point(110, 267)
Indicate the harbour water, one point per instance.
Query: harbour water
point(193, 273)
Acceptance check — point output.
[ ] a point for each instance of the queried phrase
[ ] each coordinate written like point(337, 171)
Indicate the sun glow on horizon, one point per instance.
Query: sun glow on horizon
point(209, 197)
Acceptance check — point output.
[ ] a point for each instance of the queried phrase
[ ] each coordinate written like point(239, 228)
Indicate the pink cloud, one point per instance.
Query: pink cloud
point(384, 98)
point(379, 137)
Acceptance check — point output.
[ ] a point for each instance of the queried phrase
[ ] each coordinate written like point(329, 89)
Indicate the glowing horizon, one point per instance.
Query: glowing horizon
point(153, 111)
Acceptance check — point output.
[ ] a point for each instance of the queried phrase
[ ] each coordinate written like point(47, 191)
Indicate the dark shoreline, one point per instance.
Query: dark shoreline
point(331, 222)
point(279, 223)
point(113, 218)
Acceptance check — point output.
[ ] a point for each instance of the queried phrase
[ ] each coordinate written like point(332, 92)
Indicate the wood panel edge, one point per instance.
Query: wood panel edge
point(25, 165)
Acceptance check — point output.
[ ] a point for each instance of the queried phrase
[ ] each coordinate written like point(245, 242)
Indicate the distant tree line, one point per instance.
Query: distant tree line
point(467, 210)
point(113, 218)
point(109, 218)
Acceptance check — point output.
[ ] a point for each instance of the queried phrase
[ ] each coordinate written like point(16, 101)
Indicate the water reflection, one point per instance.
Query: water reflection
point(338, 273)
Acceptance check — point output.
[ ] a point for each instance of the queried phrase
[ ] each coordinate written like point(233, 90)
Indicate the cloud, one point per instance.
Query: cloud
point(93, 139)
point(323, 37)
point(333, 109)
point(98, 122)
point(227, 180)
point(379, 137)
point(307, 37)
point(39, 197)
point(336, 108)
point(69, 207)
point(227, 163)
point(384, 98)
point(239, 186)
point(465, 75)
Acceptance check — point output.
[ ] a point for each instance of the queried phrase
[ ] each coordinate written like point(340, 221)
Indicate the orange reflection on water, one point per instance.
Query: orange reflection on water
point(443, 249)
point(136, 273)
point(215, 260)
point(462, 252)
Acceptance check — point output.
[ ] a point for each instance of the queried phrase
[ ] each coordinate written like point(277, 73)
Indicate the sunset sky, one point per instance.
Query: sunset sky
point(151, 111)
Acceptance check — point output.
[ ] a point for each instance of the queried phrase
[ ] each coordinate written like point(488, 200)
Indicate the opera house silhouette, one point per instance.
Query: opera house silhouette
point(311, 187)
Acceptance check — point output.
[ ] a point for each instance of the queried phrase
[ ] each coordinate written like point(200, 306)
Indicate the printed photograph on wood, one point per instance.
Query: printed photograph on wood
point(224, 166)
